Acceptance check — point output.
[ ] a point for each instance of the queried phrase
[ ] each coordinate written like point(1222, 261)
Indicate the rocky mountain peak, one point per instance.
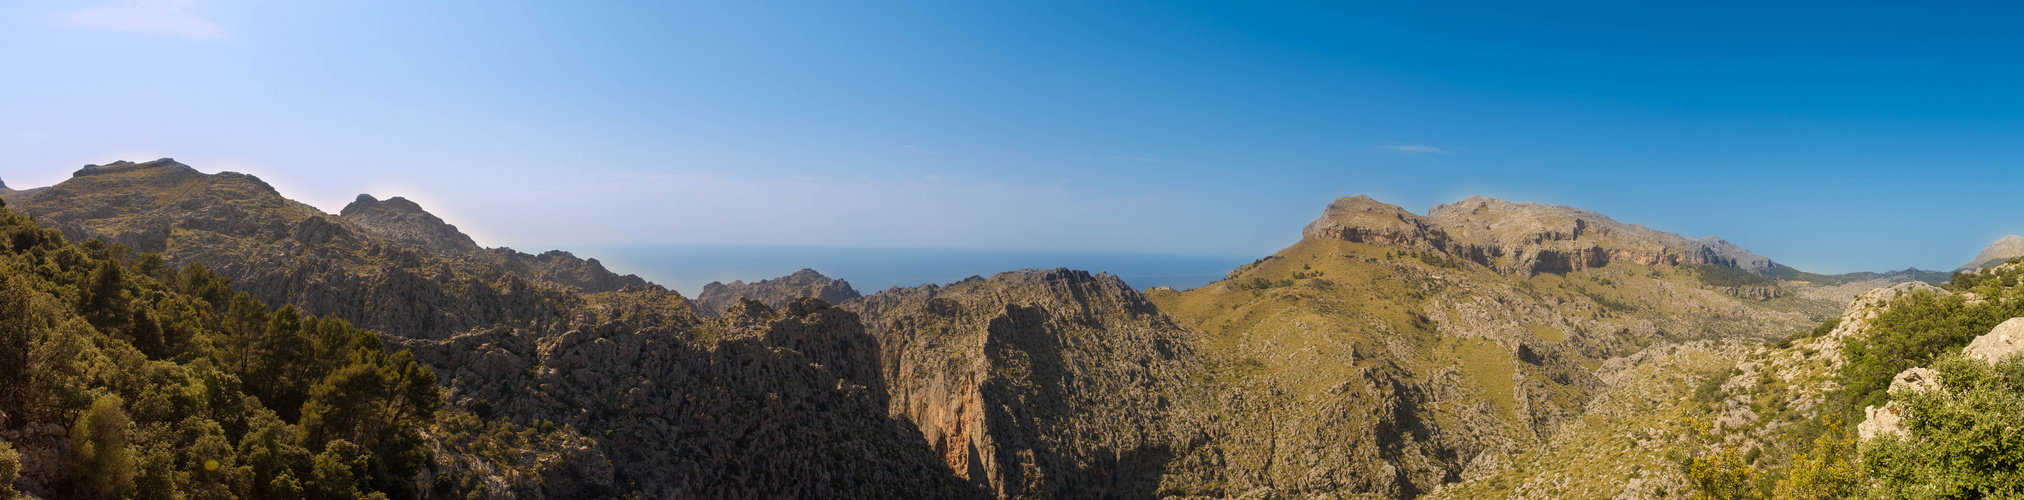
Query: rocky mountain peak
point(366, 203)
point(170, 164)
point(776, 292)
point(1363, 219)
point(405, 221)
point(2003, 249)
point(1521, 238)
point(1743, 258)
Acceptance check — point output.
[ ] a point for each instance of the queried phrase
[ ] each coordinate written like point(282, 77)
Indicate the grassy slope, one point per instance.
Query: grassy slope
point(1504, 361)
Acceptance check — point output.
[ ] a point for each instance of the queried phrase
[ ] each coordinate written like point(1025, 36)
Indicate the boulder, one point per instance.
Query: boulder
point(1916, 379)
point(1889, 418)
point(2006, 340)
point(1880, 421)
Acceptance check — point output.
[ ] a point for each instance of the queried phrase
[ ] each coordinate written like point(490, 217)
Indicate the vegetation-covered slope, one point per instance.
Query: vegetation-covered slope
point(1389, 354)
point(121, 376)
point(1780, 419)
point(558, 383)
point(383, 265)
point(1785, 423)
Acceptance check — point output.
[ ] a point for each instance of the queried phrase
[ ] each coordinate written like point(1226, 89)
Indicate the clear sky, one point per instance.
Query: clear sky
point(1832, 136)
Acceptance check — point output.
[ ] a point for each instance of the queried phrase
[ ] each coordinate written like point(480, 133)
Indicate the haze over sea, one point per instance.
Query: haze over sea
point(687, 268)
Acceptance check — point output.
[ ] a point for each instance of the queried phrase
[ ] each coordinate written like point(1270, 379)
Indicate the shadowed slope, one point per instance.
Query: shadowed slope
point(1038, 384)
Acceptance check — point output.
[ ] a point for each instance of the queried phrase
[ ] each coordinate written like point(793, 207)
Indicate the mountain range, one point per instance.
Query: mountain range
point(1486, 348)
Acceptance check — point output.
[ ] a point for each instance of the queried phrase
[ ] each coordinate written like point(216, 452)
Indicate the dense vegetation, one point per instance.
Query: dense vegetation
point(1962, 441)
point(1988, 282)
point(172, 385)
point(1913, 332)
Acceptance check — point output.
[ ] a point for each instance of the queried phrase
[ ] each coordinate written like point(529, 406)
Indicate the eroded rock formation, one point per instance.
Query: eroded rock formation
point(1038, 383)
point(760, 403)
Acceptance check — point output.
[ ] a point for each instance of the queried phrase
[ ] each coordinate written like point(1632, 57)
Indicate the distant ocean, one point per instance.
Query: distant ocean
point(687, 268)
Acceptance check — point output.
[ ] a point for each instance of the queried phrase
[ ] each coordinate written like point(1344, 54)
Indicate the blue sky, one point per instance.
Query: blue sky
point(1834, 137)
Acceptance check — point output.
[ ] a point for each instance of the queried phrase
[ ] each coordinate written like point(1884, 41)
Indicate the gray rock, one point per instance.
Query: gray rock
point(1880, 421)
point(2003, 249)
point(1038, 383)
point(2001, 343)
point(1914, 380)
point(775, 293)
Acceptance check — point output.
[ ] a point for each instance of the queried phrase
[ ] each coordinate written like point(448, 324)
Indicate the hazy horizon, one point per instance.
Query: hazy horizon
point(686, 269)
point(1831, 137)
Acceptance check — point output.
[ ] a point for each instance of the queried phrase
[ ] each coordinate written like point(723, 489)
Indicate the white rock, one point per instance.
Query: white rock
point(1916, 379)
point(2001, 343)
point(1880, 421)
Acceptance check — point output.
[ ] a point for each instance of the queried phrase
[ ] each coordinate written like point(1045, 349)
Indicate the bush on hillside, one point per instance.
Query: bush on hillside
point(1964, 441)
point(173, 385)
point(1912, 332)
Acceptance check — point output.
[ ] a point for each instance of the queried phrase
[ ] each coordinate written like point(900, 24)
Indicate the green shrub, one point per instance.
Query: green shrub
point(1966, 441)
point(149, 365)
point(10, 468)
point(1911, 333)
point(1828, 471)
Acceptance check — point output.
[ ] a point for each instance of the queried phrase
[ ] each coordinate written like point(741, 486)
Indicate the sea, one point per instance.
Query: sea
point(687, 268)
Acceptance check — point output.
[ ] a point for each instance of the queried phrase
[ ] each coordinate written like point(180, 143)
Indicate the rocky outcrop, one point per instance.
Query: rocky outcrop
point(1737, 255)
point(2000, 344)
point(128, 166)
point(776, 292)
point(2005, 248)
point(1365, 220)
point(1522, 238)
point(403, 222)
point(1037, 383)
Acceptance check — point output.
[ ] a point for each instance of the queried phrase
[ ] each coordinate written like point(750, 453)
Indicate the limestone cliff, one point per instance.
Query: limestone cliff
point(758, 404)
point(1038, 384)
point(776, 292)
